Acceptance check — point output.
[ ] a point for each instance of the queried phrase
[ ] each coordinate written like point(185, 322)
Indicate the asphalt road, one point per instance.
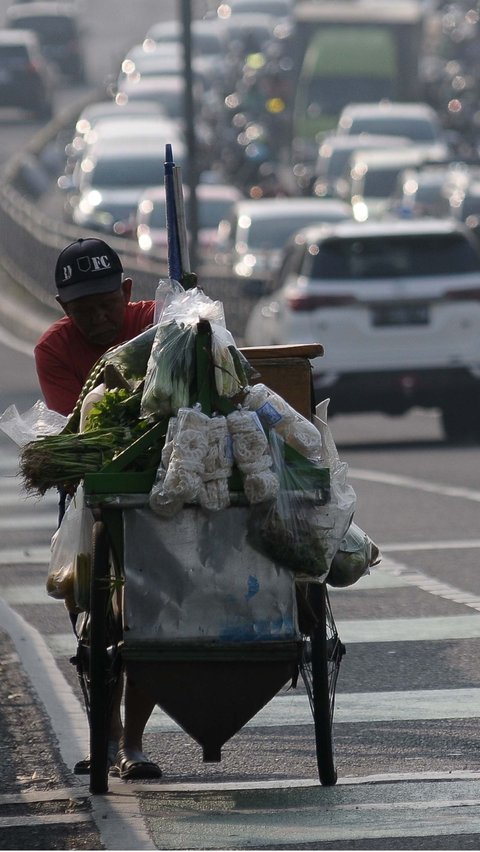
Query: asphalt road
point(407, 708)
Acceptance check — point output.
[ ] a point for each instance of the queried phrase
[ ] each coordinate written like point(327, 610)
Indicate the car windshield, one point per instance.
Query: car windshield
point(209, 213)
point(390, 256)
point(123, 172)
point(274, 233)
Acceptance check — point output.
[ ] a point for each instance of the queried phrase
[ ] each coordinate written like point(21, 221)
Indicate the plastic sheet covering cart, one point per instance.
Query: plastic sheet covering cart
point(210, 626)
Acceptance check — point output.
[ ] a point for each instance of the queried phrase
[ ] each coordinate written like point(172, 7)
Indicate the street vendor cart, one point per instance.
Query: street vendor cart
point(209, 625)
point(215, 524)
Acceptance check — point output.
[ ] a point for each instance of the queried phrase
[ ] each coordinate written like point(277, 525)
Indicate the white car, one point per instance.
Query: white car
point(397, 307)
point(416, 121)
point(113, 174)
point(213, 204)
point(252, 239)
point(372, 176)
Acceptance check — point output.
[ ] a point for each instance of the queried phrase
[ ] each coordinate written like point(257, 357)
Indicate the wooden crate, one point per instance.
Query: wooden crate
point(287, 371)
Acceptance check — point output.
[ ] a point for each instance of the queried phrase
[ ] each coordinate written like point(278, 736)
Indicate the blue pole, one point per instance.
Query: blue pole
point(174, 256)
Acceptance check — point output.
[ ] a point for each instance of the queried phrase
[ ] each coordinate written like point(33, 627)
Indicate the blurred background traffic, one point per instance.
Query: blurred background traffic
point(330, 153)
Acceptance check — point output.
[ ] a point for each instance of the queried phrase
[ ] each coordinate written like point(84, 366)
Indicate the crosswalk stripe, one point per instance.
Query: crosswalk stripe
point(28, 594)
point(410, 629)
point(11, 497)
point(354, 708)
point(24, 556)
point(37, 521)
point(324, 815)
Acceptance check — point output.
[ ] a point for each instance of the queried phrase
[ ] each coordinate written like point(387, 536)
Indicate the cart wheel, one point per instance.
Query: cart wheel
point(99, 662)
point(322, 654)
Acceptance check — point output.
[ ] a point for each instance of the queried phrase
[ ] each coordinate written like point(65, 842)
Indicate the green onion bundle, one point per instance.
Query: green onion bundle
point(65, 459)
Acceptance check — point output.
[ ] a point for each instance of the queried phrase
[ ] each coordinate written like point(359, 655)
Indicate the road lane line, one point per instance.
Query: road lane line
point(416, 484)
point(455, 544)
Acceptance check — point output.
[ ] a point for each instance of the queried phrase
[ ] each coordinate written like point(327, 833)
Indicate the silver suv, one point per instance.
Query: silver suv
point(396, 305)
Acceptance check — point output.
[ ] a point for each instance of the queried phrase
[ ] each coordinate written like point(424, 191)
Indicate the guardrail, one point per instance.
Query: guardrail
point(30, 240)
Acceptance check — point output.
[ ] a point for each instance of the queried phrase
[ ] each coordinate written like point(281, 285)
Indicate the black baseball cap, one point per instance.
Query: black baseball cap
point(87, 267)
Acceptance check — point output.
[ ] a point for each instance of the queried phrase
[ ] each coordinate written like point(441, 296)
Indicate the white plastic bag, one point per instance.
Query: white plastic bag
point(35, 423)
point(68, 576)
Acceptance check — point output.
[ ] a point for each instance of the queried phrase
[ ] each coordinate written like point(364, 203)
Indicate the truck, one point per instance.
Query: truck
point(347, 51)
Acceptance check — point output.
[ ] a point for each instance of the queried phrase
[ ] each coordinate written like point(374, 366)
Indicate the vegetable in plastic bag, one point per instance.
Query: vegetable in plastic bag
point(354, 558)
point(131, 357)
point(288, 528)
point(299, 528)
point(170, 370)
point(171, 373)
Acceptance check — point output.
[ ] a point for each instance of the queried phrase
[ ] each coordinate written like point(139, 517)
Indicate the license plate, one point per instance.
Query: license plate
point(400, 315)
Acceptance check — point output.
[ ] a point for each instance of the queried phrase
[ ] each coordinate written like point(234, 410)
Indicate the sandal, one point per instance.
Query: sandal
point(82, 767)
point(133, 765)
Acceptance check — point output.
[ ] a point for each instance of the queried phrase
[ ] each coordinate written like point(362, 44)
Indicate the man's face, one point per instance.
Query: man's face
point(100, 318)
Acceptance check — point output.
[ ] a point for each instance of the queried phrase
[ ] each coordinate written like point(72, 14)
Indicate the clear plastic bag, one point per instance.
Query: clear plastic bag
point(171, 366)
point(69, 571)
point(275, 413)
point(289, 528)
point(131, 357)
point(170, 370)
point(37, 422)
point(299, 528)
point(179, 479)
point(251, 453)
point(168, 289)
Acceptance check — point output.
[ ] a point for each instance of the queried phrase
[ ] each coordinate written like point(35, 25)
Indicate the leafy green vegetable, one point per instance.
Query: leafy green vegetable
point(118, 407)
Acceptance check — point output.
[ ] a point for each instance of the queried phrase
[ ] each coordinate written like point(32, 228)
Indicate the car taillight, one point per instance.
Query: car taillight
point(469, 295)
point(310, 302)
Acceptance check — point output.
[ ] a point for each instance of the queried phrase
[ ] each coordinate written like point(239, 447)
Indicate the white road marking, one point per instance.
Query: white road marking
point(26, 521)
point(318, 819)
point(28, 594)
point(293, 710)
point(458, 544)
point(415, 484)
point(410, 629)
point(25, 556)
point(48, 819)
